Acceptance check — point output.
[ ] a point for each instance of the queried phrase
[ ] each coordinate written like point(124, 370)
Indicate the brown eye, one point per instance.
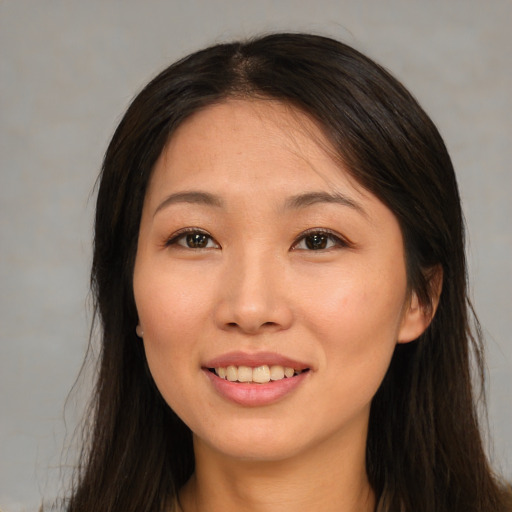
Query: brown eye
point(193, 239)
point(319, 240)
point(316, 241)
point(197, 240)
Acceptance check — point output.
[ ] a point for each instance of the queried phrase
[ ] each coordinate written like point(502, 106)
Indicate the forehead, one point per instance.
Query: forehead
point(257, 142)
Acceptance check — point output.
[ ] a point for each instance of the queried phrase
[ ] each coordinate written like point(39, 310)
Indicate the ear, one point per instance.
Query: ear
point(417, 316)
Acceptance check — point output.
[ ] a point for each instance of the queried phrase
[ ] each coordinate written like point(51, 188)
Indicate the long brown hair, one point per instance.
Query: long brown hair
point(424, 449)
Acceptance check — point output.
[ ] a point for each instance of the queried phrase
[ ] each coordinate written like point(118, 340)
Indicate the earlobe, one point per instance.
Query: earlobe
point(417, 316)
point(415, 320)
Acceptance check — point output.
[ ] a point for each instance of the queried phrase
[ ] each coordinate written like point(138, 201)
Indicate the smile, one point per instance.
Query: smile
point(262, 374)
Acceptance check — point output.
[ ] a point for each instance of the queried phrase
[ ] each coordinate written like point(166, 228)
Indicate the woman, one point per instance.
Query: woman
point(280, 277)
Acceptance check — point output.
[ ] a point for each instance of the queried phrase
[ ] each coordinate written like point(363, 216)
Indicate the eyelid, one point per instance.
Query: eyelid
point(174, 237)
point(340, 240)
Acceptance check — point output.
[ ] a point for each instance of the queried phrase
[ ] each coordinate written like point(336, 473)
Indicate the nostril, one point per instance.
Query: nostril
point(265, 324)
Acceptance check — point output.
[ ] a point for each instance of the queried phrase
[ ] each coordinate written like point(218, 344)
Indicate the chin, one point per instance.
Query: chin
point(257, 452)
point(258, 444)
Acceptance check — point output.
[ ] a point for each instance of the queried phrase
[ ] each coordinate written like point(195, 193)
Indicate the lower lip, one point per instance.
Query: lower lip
point(255, 395)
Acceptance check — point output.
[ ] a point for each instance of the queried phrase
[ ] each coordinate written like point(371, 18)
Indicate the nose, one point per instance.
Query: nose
point(254, 296)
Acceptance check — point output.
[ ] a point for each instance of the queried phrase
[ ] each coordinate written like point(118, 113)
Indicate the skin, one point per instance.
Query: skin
point(256, 286)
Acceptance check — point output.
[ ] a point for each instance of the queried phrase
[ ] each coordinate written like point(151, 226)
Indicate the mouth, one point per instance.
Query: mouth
point(262, 374)
point(257, 379)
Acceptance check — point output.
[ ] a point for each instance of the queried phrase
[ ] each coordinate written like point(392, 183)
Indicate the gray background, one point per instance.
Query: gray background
point(68, 70)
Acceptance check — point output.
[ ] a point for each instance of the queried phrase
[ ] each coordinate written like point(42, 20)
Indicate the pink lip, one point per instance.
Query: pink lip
point(252, 394)
point(255, 395)
point(254, 360)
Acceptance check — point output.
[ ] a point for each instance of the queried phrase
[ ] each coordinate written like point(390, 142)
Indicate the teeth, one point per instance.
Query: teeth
point(276, 373)
point(231, 373)
point(244, 374)
point(260, 374)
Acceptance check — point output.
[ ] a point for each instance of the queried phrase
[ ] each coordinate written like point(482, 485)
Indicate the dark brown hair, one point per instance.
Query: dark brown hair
point(424, 449)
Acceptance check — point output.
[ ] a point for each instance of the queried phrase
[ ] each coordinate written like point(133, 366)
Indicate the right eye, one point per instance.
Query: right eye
point(193, 239)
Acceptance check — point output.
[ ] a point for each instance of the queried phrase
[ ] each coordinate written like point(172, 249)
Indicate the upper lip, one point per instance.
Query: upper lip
point(254, 360)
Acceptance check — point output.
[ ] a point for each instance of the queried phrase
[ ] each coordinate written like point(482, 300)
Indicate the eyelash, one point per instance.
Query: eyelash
point(333, 237)
point(176, 237)
point(337, 240)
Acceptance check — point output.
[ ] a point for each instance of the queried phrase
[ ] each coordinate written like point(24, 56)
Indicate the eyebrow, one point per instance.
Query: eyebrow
point(296, 202)
point(303, 200)
point(191, 197)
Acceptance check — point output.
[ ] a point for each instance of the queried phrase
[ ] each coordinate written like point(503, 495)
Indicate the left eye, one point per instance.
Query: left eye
point(318, 240)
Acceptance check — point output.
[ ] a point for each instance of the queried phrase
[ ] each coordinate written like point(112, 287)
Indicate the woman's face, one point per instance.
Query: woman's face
point(260, 257)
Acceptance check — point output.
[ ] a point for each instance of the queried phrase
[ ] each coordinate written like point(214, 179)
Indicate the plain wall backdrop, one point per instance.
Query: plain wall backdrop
point(68, 69)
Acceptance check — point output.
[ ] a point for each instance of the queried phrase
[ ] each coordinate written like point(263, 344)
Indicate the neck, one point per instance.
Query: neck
point(326, 478)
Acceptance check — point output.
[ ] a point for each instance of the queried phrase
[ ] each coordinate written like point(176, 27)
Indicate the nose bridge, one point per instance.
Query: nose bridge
point(254, 295)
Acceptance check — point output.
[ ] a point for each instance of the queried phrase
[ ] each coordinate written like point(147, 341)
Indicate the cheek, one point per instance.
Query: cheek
point(172, 312)
point(170, 304)
point(361, 306)
point(357, 319)
point(169, 322)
